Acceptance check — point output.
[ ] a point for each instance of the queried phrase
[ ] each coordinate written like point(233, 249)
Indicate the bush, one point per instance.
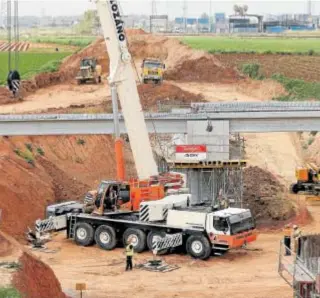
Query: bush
point(40, 151)
point(251, 70)
point(26, 155)
point(310, 141)
point(29, 147)
point(81, 142)
point(17, 151)
point(311, 52)
point(313, 133)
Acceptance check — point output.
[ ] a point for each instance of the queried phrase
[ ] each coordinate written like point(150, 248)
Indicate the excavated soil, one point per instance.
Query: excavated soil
point(203, 69)
point(32, 278)
point(36, 279)
point(150, 95)
point(266, 197)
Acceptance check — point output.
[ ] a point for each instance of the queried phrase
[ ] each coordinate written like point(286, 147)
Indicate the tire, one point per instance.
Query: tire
point(105, 237)
point(198, 246)
point(139, 239)
point(99, 79)
point(79, 82)
point(294, 188)
point(83, 234)
point(157, 234)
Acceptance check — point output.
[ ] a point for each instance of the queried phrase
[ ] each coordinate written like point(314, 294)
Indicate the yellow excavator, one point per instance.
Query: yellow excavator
point(308, 180)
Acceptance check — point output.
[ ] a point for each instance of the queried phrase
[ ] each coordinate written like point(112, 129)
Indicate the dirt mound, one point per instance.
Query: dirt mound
point(130, 32)
point(5, 96)
point(150, 95)
point(203, 69)
point(144, 47)
point(36, 279)
point(265, 196)
point(33, 279)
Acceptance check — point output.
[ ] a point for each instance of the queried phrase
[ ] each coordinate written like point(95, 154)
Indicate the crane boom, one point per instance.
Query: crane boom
point(122, 76)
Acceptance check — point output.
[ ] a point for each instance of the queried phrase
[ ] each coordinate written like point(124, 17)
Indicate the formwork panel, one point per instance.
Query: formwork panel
point(216, 140)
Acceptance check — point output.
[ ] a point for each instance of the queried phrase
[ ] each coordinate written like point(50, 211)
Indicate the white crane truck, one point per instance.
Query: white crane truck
point(162, 224)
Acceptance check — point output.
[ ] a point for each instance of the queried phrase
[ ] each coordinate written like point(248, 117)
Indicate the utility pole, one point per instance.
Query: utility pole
point(210, 15)
point(309, 8)
point(185, 13)
point(3, 14)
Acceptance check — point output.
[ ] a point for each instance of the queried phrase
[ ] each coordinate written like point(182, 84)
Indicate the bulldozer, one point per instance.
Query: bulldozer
point(90, 70)
point(308, 180)
point(152, 70)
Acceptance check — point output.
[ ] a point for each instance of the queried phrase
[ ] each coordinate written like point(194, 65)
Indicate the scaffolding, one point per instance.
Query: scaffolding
point(302, 272)
point(206, 179)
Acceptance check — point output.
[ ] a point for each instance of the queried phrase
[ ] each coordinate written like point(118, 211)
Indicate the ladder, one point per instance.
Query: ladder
point(73, 221)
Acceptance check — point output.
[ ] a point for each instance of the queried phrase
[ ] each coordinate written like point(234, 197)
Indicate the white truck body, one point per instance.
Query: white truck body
point(186, 219)
point(158, 210)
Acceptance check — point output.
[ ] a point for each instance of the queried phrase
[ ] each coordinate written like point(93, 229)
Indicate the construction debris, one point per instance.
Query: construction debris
point(157, 266)
point(10, 265)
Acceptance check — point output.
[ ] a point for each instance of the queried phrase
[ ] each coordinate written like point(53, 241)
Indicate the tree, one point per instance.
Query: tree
point(89, 23)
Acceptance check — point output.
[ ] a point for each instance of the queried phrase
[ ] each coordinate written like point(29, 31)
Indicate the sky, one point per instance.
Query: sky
point(173, 8)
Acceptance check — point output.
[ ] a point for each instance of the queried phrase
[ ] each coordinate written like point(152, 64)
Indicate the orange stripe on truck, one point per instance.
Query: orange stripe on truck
point(235, 241)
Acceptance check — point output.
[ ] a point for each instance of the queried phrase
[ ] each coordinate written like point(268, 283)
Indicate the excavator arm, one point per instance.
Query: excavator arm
point(122, 78)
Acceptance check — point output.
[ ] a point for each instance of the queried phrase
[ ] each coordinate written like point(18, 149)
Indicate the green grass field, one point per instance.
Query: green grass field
point(31, 63)
point(9, 293)
point(79, 41)
point(257, 45)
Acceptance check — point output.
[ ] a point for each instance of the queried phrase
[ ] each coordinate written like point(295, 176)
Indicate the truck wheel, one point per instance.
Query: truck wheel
point(198, 247)
point(294, 188)
point(99, 79)
point(83, 234)
point(105, 237)
point(138, 239)
point(156, 235)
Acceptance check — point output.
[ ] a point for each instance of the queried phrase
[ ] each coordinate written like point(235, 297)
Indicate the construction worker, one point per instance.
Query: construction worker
point(287, 239)
point(296, 237)
point(129, 254)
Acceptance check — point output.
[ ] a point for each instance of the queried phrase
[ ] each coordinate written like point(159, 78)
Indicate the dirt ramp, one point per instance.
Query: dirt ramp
point(265, 196)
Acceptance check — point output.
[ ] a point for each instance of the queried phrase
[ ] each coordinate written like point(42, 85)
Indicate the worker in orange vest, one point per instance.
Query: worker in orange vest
point(287, 239)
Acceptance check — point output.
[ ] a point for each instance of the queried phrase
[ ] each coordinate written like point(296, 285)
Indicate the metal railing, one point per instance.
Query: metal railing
point(294, 272)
